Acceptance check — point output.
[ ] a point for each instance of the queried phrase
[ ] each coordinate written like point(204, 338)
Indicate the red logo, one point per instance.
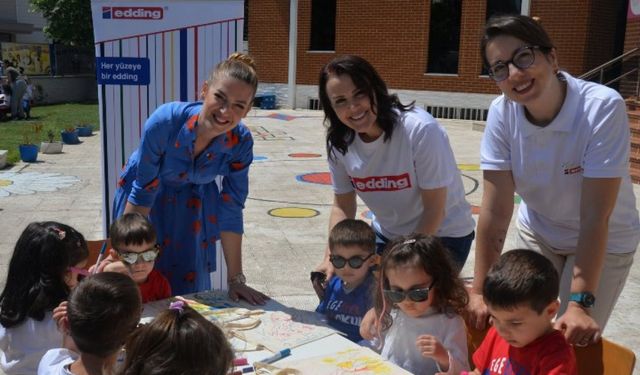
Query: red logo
point(133, 13)
point(382, 183)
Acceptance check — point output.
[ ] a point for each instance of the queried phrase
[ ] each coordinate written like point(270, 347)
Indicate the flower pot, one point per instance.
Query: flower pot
point(51, 147)
point(28, 153)
point(84, 130)
point(70, 138)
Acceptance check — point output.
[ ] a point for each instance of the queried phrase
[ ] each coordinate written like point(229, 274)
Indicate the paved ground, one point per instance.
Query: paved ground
point(279, 252)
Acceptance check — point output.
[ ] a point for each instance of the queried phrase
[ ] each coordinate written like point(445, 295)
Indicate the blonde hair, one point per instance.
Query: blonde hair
point(238, 66)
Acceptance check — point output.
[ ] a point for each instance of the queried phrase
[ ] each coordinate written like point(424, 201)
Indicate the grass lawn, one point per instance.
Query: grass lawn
point(52, 117)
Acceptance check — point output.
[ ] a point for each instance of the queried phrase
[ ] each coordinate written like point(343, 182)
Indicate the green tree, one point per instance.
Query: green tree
point(68, 21)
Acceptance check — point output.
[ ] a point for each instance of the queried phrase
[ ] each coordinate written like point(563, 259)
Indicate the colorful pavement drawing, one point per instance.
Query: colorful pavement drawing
point(23, 183)
point(361, 361)
point(294, 212)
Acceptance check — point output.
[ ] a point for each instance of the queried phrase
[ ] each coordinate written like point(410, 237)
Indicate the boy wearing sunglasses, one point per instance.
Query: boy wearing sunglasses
point(521, 293)
point(347, 298)
point(133, 242)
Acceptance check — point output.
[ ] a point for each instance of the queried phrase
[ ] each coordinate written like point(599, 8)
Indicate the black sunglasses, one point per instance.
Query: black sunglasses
point(354, 262)
point(416, 295)
point(522, 58)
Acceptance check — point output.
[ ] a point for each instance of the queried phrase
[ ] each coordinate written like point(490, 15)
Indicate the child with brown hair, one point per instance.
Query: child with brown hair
point(179, 341)
point(417, 305)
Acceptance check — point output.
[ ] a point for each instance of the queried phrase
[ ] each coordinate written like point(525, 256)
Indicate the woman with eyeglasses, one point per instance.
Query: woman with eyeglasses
point(173, 177)
point(561, 144)
point(394, 157)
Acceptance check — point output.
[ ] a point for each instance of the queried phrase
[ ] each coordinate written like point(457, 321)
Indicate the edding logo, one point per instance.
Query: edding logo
point(132, 13)
point(382, 183)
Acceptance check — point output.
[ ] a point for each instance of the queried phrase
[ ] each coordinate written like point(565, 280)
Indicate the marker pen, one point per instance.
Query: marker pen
point(279, 355)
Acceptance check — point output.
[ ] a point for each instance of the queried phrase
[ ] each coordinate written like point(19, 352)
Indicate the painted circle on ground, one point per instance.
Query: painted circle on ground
point(304, 155)
point(293, 212)
point(468, 167)
point(322, 178)
point(6, 182)
point(260, 158)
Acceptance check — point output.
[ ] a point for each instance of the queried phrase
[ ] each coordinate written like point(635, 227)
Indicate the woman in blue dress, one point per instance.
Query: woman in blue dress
point(172, 178)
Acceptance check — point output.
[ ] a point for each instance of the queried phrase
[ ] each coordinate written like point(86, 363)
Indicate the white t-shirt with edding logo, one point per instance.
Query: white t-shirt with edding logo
point(389, 175)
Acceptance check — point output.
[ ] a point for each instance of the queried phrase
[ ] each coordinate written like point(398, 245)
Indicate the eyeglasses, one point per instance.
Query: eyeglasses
point(354, 262)
point(131, 257)
point(522, 58)
point(82, 273)
point(416, 295)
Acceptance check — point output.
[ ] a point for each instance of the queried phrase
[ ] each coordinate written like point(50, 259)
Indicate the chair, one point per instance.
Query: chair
point(94, 249)
point(605, 358)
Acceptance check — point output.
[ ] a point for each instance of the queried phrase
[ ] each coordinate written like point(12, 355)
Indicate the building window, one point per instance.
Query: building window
point(498, 7)
point(501, 7)
point(323, 25)
point(444, 36)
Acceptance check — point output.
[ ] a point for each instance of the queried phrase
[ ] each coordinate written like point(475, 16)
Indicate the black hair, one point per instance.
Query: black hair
point(179, 341)
point(35, 281)
point(104, 309)
point(352, 232)
point(521, 277)
point(518, 26)
point(131, 229)
point(366, 78)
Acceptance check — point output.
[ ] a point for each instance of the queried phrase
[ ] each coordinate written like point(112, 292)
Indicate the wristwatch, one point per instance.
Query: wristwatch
point(239, 278)
point(584, 299)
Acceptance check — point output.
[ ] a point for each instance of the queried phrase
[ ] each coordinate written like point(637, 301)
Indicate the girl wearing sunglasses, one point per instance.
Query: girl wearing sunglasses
point(561, 144)
point(416, 308)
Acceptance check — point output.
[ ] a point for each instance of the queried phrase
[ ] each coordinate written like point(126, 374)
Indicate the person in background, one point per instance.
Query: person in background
point(562, 144)
point(172, 176)
point(394, 157)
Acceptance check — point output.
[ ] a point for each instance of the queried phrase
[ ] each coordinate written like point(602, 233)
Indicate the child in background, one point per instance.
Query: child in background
point(133, 242)
point(179, 341)
point(27, 98)
point(101, 314)
point(352, 245)
point(46, 264)
point(417, 306)
point(521, 293)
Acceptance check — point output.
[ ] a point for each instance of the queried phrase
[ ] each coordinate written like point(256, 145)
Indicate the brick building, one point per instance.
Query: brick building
point(425, 45)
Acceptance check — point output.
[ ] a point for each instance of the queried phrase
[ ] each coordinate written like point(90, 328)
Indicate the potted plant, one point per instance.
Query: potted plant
point(52, 146)
point(29, 150)
point(70, 136)
point(84, 130)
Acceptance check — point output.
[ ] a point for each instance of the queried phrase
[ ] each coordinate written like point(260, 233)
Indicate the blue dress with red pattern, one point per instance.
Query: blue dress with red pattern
point(188, 209)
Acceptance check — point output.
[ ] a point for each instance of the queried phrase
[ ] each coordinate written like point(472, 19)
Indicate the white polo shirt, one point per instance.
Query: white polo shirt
point(388, 176)
point(588, 138)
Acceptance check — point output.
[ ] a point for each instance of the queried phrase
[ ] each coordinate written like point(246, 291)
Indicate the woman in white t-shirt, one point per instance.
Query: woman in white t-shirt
point(562, 144)
point(394, 157)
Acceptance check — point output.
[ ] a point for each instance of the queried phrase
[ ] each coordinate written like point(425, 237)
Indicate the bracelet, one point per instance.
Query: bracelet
point(239, 278)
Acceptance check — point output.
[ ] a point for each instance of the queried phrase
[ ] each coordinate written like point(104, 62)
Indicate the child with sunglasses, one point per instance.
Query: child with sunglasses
point(416, 308)
point(46, 264)
point(133, 242)
point(352, 245)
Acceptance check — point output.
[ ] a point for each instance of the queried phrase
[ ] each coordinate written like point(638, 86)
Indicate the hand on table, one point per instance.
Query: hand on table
point(247, 293)
point(320, 283)
point(579, 328)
